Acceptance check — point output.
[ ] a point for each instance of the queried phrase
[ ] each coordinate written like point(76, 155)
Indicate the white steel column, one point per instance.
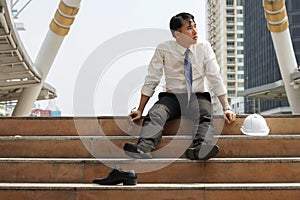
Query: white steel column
point(59, 28)
point(276, 16)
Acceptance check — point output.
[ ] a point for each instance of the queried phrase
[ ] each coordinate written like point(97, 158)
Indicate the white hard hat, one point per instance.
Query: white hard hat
point(255, 125)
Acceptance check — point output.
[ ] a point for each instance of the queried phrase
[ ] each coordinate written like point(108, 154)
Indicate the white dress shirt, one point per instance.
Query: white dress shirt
point(168, 59)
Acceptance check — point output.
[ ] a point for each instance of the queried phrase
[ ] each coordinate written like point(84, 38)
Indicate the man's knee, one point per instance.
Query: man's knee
point(159, 112)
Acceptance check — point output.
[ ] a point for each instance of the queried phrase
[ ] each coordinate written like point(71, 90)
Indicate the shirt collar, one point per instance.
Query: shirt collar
point(182, 49)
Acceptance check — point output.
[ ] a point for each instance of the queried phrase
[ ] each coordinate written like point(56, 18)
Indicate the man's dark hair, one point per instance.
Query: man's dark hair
point(177, 21)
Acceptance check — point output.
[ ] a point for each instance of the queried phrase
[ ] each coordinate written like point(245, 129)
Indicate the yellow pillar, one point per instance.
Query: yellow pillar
point(59, 28)
point(278, 23)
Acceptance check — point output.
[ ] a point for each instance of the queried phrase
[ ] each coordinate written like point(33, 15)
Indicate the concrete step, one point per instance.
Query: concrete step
point(54, 158)
point(170, 146)
point(217, 170)
point(117, 126)
point(194, 191)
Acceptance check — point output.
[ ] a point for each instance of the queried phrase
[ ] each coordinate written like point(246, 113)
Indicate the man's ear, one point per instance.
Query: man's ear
point(177, 34)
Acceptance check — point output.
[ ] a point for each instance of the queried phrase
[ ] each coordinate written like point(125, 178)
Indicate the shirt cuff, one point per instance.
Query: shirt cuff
point(147, 91)
point(220, 91)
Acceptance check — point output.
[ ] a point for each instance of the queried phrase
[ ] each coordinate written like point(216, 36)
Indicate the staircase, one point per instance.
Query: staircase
point(57, 158)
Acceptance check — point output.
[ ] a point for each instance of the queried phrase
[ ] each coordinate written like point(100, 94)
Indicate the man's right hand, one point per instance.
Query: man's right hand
point(135, 115)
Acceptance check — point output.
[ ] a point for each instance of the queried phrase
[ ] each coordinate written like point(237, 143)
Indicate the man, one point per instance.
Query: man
point(186, 64)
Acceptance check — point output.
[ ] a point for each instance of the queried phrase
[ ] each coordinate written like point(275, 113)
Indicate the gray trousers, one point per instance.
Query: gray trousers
point(171, 106)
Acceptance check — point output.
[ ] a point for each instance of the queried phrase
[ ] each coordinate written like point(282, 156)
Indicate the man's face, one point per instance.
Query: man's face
point(188, 33)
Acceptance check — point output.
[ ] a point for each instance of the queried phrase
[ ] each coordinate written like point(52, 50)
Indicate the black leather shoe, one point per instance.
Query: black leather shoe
point(134, 151)
point(117, 176)
point(203, 151)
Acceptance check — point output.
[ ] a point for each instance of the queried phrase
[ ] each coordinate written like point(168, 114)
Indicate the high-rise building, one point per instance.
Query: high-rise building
point(263, 84)
point(226, 35)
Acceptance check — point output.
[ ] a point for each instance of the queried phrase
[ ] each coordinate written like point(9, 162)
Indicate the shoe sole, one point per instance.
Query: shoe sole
point(128, 151)
point(116, 182)
point(204, 153)
point(138, 155)
point(189, 153)
point(208, 151)
point(130, 182)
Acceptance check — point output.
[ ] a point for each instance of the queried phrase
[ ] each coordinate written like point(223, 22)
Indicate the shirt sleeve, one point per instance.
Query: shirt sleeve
point(155, 72)
point(212, 70)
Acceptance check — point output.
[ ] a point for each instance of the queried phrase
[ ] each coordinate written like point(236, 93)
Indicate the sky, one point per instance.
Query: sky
point(130, 29)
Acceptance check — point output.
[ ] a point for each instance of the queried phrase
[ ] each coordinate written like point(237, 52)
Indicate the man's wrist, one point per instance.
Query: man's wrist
point(227, 108)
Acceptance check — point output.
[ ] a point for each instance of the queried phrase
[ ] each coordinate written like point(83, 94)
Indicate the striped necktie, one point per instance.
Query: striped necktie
point(188, 73)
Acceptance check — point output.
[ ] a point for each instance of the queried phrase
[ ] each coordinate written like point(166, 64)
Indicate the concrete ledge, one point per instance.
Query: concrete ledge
point(218, 170)
point(152, 191)
point(151, 161)
point(118, 125)
point(157, 186)
point(169, 147)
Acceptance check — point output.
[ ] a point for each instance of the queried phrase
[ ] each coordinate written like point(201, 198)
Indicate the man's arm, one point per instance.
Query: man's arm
point(155, 72)
point(228, 114)
point(223, 99)
point(213, 75)
point(137, 114)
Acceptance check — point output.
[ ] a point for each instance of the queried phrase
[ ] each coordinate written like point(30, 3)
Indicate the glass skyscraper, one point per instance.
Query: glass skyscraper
point(226, 35)
point(261, 66)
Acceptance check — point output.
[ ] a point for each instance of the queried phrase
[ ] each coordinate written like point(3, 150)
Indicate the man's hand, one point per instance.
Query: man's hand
point(135, 115)
point(229, 116)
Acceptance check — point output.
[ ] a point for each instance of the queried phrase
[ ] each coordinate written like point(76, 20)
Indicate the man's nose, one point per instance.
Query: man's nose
point(195, 31)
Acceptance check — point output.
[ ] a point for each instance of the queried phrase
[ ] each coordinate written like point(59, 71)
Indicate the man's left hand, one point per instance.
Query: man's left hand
point(229, 116)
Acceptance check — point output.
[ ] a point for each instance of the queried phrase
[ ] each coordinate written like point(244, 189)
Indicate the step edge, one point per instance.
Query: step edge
point(180, 137)
point(153, 160)
point(144, 186)
point(126, 117)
